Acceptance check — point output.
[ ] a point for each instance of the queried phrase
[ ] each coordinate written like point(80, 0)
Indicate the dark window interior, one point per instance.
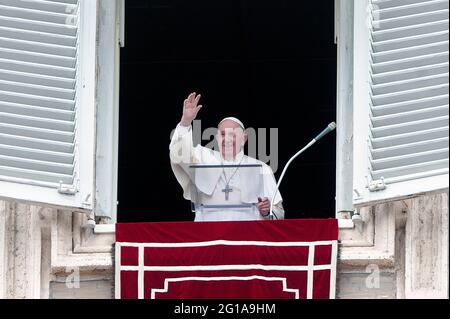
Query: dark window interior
point(269, 63)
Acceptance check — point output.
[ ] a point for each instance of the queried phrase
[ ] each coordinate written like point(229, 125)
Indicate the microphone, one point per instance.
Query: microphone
point(327, 130)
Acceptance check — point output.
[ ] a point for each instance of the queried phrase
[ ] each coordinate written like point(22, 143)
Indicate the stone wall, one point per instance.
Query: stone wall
point(72, 285)
point(49, 253)
point(401, 251)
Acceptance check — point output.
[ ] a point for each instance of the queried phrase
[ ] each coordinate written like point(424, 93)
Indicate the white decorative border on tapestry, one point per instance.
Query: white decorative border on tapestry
point(241, 278)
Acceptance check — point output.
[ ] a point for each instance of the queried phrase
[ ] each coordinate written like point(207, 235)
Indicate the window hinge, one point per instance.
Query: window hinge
point(357, 194)
point(86, 203)
point(67, 189)
point(377, 185)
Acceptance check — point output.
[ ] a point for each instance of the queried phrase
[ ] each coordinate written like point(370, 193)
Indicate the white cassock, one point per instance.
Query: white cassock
point(211, 182)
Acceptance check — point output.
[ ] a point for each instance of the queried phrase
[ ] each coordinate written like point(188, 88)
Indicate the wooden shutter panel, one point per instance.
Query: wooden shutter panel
point(409, 89)
point(38, 85)
point(401, 99)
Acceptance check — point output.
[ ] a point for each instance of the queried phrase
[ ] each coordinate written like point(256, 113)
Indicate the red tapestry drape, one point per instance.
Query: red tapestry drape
point(279, 259)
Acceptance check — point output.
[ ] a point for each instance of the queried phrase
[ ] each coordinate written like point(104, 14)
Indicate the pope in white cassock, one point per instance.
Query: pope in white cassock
point(230, 185)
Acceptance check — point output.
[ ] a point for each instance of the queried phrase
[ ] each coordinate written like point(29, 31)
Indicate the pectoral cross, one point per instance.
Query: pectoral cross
point(227, 190)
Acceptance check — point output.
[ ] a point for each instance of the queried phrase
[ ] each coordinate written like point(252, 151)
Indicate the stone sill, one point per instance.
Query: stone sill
point(345, 223)
point(105, 228)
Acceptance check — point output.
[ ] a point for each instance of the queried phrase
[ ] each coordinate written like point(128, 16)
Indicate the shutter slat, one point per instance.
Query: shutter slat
point(405, 149)
point(36, 143)
point(33, 89)
point(66, 126)
point(409, 20)
point(39, 69)
point(410, 52)
point(411, 30)
point(409, 9)
point(409, 95)
point(414, 105)
point(425, 168)
point(25, 131)
point(383, 4)
point(412, 73)
point(40, 155)
point(38, 47)
point(43, 112)
point(420, 174)
point(37, 79)
point(41, 37)
point(56, 7)
point(35, 100)
point(410, 84)
point(410, 42)
point(35, 165)
point(398, 118)
point(24, 175)
point(408, 127)
point(38, 15)
point(64, 1)
point(39, 58)
point(408, 63)
point(59, 29)
point(410, 137)
point(409, 159)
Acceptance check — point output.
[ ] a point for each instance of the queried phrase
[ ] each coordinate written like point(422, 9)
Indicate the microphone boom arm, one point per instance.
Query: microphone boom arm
point(329, 128)
point(271, 214)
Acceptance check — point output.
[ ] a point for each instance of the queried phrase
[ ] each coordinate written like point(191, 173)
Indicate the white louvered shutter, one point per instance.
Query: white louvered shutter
point(46, 99)
point(407, 147)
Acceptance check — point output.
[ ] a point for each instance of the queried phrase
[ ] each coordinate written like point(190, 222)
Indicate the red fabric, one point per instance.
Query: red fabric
point(237, 268)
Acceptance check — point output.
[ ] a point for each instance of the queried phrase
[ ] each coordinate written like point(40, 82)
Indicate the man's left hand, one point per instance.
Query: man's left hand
point(263, 206)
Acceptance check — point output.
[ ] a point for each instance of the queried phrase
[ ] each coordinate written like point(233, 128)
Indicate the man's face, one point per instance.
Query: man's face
point(231, 138)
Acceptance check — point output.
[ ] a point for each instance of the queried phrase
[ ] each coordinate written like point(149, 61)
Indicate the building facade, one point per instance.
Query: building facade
point(57, 227)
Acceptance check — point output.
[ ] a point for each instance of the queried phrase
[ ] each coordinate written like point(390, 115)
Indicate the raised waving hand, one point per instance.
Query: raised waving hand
point(190, 109)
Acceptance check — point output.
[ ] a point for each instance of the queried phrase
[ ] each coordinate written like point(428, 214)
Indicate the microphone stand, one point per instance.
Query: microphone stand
point(329, 128)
